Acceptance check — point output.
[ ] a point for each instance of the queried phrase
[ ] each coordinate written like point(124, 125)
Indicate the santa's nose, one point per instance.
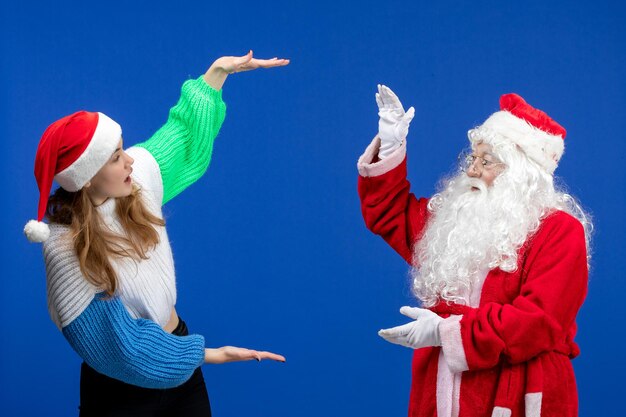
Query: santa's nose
point(472, 171)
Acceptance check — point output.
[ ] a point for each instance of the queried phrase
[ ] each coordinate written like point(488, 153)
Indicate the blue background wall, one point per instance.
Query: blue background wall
point(270, 248)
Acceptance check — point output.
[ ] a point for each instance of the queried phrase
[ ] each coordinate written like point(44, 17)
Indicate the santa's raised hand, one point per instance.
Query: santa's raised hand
point(393, 125)
point(422, 332)
point(222, 67)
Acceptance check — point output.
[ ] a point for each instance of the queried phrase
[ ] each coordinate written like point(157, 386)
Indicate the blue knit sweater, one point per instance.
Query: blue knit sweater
point(136, 351)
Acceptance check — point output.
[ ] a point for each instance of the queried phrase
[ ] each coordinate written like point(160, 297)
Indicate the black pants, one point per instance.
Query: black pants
point(102, 396)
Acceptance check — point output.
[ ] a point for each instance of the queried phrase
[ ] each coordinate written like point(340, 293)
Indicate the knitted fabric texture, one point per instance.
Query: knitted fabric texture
point(183, 146)
point(99, 333)
point(146, 288)
point(137, 351)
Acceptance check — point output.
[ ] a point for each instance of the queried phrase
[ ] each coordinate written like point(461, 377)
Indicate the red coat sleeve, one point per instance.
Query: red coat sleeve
point(388, 207)
point(541, 318)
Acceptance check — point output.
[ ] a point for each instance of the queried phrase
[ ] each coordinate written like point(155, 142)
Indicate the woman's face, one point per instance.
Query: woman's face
point(113, 180)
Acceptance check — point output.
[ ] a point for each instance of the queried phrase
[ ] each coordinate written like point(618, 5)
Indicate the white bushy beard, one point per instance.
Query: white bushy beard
point(473, 231)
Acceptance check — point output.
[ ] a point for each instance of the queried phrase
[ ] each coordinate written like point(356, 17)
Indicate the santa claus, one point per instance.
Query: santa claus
point(499, 261)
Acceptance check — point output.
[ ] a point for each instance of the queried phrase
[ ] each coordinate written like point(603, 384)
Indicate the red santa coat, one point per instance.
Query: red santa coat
point(511, 354)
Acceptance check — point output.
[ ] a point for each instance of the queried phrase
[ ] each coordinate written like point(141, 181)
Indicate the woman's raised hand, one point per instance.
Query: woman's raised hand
point(237, 354)
point(232, 64)
point(222, 67)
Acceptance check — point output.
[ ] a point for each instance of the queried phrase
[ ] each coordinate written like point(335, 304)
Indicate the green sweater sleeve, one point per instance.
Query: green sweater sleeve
point(183, 146)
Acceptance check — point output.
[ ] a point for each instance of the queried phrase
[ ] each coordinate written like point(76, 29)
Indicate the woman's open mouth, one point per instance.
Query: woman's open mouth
point(128, 179)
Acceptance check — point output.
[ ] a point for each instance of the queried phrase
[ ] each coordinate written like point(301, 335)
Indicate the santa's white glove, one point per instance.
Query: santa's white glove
point(422, 332)
point(393, 125)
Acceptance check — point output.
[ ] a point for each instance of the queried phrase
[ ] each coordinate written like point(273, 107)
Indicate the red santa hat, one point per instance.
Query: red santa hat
point(71, 151)
point(540, 137)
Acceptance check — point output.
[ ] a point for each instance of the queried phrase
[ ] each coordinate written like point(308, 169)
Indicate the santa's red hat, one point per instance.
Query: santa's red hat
point(71, 151)
point(540, 137)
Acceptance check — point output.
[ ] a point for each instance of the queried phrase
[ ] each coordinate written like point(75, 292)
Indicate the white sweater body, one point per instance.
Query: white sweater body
point(147, 288)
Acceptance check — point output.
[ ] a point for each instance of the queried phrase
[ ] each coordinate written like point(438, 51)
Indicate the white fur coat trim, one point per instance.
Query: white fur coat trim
point(368, 169)
point(452, 344)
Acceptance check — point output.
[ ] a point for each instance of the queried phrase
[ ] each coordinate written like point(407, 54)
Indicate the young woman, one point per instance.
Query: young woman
point(109, 266)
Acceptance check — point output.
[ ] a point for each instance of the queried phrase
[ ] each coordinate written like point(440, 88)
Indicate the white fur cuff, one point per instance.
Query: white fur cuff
point(368, 169)
point(452, 344)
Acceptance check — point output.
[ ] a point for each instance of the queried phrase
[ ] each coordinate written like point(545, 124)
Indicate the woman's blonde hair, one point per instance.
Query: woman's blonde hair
point(94, 243)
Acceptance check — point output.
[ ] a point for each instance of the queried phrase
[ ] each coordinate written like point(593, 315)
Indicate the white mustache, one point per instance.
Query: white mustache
point(470, 182)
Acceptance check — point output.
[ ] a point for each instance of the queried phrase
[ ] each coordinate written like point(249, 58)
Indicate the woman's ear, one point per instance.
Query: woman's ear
point(87, 185)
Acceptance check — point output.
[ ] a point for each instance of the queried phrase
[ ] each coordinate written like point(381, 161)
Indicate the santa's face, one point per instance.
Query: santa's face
point(113, 180)
point(485, 165)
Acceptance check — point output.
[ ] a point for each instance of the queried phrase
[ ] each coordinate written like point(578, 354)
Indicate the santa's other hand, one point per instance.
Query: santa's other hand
point(422, 332)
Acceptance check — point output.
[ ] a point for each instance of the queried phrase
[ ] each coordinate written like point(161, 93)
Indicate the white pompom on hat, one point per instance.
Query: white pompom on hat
point(540, 137)
point(71, 151)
